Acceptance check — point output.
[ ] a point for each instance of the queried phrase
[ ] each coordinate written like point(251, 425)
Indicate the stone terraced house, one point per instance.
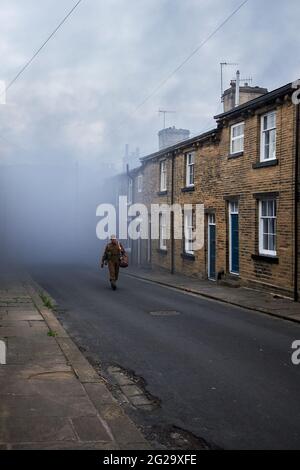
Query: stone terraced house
point(246, 174)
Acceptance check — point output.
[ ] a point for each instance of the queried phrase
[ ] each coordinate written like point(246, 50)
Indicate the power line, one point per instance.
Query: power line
point(181, 65)
point(34, 56)
point(42, 46)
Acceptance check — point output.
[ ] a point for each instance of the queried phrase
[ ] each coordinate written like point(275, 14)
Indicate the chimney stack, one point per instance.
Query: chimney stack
point(239, 94)
point(237, 89)
point(171, 136)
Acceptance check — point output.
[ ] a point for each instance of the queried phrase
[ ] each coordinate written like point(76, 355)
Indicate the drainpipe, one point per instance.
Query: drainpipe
point(172, 217)
point(296, 222)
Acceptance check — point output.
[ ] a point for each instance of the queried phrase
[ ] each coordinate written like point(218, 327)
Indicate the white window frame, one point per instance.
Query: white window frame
point(188, 232)
point(240, 137)
point(163, 231)
point(190, 170)
point(264, 132)
point(130, 191)
point(163, 175)
point(140, 183)
point(262, 250)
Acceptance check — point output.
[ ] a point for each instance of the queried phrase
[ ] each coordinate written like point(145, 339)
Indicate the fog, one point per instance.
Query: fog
point(68, 117)
point(48, 213)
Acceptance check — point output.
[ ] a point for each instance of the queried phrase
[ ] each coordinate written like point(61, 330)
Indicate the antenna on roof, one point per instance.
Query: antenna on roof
point(164, 112)
point(225, 64)
point(246, 81)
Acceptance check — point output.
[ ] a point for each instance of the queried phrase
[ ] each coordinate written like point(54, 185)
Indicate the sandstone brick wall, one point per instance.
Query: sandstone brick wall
point(241, 179)
point(219, 178)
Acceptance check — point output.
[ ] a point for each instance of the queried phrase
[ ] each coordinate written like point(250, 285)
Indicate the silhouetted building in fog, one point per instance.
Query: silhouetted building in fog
point(130, 159)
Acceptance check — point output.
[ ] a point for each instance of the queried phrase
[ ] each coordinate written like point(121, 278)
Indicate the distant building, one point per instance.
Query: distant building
point(130, 159)
point(171, 136)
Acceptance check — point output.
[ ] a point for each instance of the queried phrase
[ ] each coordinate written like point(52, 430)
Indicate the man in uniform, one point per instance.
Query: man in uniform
point(111, 257)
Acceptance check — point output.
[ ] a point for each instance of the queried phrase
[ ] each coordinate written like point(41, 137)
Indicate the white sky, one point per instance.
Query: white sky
point(76, 100)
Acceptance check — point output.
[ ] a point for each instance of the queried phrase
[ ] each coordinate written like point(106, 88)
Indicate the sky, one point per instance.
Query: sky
point(77, 100)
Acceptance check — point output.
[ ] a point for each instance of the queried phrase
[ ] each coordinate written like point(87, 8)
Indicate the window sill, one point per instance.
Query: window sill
point(232, 156)
point(188, 189)
point(188, 256)
point(266, 258)
point(162, 252)
point(265, 164)
point(162, 193)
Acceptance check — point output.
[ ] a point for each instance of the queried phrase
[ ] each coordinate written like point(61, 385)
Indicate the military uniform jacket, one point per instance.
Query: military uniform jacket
point(113, 252)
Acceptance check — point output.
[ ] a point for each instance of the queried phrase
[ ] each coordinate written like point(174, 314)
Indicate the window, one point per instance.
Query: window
point(237, 138)
point(212, 219)
point(268, 137)
point(267, 227)
point(129, 245)
point(234, 207)
point(163, 231)
point(163, 175)
point(140, 183)
point(130, 192)
point(190, 166)
point(188, 232)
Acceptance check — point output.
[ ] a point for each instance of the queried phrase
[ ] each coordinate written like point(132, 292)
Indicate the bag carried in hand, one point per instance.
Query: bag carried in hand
point(124, 261)
point(123, 258)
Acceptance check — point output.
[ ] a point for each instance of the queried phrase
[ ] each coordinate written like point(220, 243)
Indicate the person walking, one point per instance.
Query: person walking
point(111, 257)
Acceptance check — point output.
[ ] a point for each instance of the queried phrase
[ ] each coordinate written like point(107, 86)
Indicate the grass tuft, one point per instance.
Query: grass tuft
point(46, 301)
point(52, 333)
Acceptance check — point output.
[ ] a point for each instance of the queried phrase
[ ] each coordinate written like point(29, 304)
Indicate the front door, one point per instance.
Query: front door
point(139, 254)
point(234, 238)
point(212, 246)
point(149, 241)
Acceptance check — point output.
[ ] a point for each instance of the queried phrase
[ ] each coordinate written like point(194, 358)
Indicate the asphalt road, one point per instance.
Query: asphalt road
point(222, 373)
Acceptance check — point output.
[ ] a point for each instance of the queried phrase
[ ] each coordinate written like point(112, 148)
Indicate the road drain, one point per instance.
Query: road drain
point(164, 313)
point(133, 389)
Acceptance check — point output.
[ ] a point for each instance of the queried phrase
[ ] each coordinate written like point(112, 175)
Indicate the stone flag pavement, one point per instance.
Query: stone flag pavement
point(50, 396)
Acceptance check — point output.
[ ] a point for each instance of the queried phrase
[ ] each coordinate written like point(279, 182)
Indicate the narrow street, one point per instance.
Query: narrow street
point(222, 373)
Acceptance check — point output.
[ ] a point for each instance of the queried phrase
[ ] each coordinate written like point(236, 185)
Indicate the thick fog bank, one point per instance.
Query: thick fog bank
point(48, 213)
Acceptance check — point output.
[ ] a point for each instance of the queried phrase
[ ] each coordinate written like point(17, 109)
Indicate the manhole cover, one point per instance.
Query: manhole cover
point(164, 313)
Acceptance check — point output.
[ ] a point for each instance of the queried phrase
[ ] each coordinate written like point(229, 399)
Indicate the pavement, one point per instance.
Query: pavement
point(251, 299)
point(210, 370)
point(50, 396)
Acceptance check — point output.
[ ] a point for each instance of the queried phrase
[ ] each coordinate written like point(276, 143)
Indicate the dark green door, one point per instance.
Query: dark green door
point(212, 248)
point(235, 264)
